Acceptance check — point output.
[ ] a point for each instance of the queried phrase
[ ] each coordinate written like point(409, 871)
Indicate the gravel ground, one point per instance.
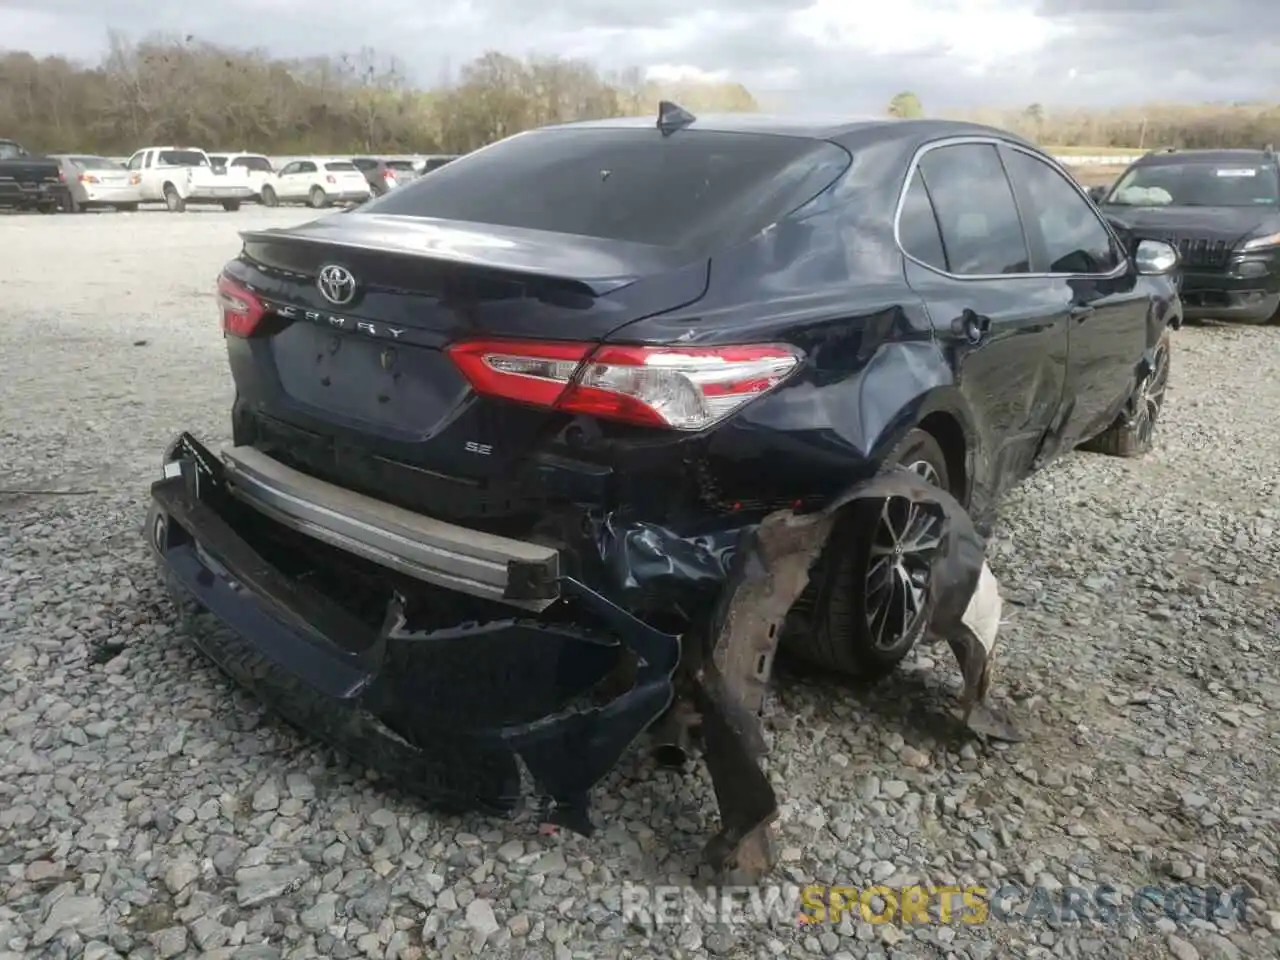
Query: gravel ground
point(149, 809)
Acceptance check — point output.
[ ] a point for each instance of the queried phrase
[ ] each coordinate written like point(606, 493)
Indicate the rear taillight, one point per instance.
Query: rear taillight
point(679, 388)
point(87, 178)
point(388, 175)
point(241, 309)
point(331, 178)
point(135, 179)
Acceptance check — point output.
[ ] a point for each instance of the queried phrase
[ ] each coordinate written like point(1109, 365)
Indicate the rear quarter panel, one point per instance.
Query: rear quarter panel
point(829, 280)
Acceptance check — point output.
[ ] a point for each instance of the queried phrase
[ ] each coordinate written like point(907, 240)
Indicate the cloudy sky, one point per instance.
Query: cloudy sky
point(828, 55)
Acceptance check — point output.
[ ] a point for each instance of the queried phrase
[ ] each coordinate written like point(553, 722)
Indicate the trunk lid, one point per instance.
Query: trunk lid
point(368, 374)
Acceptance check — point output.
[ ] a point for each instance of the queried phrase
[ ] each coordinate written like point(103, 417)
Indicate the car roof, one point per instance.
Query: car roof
point(1234, 155)
point(844, 130)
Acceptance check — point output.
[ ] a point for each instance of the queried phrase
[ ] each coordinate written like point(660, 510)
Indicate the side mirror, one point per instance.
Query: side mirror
point(1098, 194)
point(1155, 258)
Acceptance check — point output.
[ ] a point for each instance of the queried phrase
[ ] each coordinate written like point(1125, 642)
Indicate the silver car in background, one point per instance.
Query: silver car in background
point(95, 182)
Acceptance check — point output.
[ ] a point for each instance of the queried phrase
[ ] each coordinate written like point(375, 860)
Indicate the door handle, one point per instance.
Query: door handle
point(974, 327)
point(1081, 312)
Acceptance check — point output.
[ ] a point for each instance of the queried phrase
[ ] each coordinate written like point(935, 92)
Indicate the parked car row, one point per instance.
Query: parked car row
point(182, 176)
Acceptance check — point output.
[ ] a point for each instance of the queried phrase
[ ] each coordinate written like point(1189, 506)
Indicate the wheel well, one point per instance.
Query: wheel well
point(947, 431)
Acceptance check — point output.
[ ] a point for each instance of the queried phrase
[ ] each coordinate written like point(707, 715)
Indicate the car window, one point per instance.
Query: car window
point(289, 168)
point(183, 158)
point(306, 166)
point(96, 163)
point(217, 159)
point(1075, 239)
point(695, 191)
point(340, 166)
point(1198, 184)
point(918, 226)
point(976, 211)
point(400, 164)
point(135, 162)
point(253, 163)
point(11, 151)
point(364, 164)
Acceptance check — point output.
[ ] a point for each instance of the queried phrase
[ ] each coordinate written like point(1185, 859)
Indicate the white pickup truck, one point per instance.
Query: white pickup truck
point(182, 175)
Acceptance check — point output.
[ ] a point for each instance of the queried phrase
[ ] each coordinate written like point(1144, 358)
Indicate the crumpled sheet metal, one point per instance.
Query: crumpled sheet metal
point(964, 596)
point(764, 569)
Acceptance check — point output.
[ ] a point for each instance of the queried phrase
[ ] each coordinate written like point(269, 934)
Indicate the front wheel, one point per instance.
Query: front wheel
point(269, 198)
point(1133, 431)
point(231, 206)
point(871, 585)
point(318, 198)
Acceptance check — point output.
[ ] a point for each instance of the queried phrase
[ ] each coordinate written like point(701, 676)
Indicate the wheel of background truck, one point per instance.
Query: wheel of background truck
point(269, 198)
point(318, 198)
point(173, 200)
point(127, 207)
point(873, 577)
point(231, 206)
point(1133, 430)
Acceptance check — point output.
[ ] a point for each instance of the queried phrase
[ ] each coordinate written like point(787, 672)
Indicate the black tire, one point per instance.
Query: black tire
point(231, 206)
point(317, 198)
point(269, 198)
point(71, 204)
point(839, 635)
point(173, 200)
point(127, 207)
point(48, 208)
point(1133, 431)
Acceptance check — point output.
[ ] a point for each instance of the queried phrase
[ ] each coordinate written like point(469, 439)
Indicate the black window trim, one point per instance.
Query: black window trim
point(1000, 144)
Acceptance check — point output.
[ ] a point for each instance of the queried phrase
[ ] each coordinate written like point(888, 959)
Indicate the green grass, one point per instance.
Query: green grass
point(1093, 151)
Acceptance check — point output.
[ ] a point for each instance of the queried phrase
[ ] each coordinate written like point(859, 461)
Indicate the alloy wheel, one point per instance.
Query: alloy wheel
point(902, 548)
point(1150, 395)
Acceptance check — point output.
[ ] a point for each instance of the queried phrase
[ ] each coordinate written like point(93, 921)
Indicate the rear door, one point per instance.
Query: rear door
point(1003, 324)
point(1095, 289)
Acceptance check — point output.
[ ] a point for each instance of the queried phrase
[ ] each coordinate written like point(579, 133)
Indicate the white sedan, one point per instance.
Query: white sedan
point(318, 181)
point(95, 182)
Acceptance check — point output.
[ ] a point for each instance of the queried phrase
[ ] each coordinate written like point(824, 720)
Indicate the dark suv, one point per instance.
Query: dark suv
point(496, 420)
point(1221, 209)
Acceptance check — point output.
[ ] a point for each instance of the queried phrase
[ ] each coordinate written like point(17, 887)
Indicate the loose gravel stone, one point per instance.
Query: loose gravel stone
point(150, 809)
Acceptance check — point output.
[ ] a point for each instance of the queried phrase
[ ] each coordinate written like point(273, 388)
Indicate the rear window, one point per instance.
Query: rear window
point(340, 165)
point(400, 164)
point(1198, 185)
point(253, 163)
point(694, 190)
point(183, 158)
point(96, 163)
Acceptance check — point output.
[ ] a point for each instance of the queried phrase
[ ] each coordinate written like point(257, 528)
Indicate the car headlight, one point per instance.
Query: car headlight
point(1262, 243)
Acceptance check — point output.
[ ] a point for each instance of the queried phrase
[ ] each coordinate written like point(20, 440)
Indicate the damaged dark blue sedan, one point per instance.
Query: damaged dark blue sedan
point(555, 446)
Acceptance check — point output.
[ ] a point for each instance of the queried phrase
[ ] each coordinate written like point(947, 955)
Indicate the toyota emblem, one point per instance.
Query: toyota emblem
point(336, 284)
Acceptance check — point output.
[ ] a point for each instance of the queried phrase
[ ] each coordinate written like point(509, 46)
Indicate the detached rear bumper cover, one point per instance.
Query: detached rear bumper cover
point(453, 714)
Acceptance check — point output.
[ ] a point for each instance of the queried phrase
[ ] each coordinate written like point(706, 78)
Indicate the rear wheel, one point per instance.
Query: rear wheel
point(318, 198)
point(231, 206)
point(173, 200)
point(48, 207)
point(269, 198)
point(872, 581)
point(1132, 433)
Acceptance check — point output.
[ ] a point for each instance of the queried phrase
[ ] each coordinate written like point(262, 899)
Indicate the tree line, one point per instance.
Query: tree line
point(183, 90)
point(166, 89)
point(1147, 127)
